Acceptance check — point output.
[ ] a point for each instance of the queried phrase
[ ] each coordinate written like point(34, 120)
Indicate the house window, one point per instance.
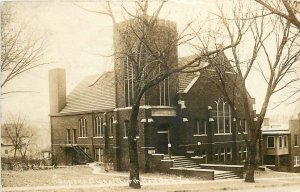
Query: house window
point(245, 127)
point(82, 127)
point(125, 128)
point(6, 151)
point(296, 142)
point(270, 142)
point(280, 141)
point(284, 144)
point(296, 161)
point(223, 116)
point(200, 127)
point(98, 127)
point(111, 126)
point(69, 140)
point(128, 82)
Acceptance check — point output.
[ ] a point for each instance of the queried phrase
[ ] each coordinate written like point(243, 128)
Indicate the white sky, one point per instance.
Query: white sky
point(78, 40)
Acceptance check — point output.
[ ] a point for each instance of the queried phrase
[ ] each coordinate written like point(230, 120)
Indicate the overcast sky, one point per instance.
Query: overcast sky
point(78, 41)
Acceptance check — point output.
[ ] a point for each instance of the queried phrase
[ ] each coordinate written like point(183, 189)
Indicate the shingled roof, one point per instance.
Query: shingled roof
point(93, 93)
point(186, 80)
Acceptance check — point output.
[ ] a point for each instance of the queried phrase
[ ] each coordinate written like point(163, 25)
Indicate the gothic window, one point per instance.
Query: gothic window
point(164, 97)
point(223, 117)
point(128, 82)
point(82, 127)
point(98, 127)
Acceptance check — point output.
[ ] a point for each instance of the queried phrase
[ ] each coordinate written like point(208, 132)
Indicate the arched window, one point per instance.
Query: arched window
point(82, 127)
point(223, 116)
point(98, 127)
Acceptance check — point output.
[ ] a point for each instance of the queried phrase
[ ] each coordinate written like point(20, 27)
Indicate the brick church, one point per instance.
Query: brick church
point(184, 115)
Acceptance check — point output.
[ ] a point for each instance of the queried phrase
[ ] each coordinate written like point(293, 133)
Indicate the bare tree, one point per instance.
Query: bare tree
point(287, 9)
point(271, 51)
point(20, 134)
point(20, 50)
point(150, 60)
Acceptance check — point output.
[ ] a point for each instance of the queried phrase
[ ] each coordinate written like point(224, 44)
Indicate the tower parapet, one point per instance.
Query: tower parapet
point(139, 45)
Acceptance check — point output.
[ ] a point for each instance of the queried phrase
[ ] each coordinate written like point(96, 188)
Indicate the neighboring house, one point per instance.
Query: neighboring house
point(7, 146)
point(281, 147)
point(183, 115)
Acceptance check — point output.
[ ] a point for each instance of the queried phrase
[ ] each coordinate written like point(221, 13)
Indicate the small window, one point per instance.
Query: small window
point(270, 142)
point(222, 154)
point(296, 142)
point(284, 145)
point(296, 161)
point(6, 151)
point(200, 127)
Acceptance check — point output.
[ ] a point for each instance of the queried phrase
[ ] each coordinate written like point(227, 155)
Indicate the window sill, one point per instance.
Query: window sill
point(125, 137)
point(98, 137)
point(200, 135)
point(296, 146)
point(223, 133)
point(296, 165)
point(111, 137)
point(244, 133)
point(137, 137)
point(83, 137)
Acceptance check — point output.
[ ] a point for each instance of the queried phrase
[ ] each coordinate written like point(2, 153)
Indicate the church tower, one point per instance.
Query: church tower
point(143, 49)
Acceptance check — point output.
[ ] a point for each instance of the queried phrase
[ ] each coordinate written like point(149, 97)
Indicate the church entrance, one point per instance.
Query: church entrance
point(163, 138)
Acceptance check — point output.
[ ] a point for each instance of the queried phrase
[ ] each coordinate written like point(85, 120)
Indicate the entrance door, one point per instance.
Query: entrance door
point(162, 136)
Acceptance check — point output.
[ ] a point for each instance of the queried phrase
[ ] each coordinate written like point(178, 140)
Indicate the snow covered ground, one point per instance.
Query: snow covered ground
point(92, 179)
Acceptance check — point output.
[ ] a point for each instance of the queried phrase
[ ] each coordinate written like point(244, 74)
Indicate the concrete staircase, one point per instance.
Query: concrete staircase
point(183, 162)
point(225, 175)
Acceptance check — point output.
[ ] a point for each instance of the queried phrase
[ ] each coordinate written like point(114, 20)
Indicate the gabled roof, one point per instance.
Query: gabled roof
point(93, 93)
point(187, 80)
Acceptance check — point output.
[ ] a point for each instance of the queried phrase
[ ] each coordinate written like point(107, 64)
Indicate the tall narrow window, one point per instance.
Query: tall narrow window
point(98, 127)
point(74, 136)
point(217, 154)
point(128, 82)
point(164, 88)
point(296, 161)
point(125, 128)
point(69, 140)
point(296, 142)
point(82, 127)
point(280, 141)
point(111, 127)
point(284, 145)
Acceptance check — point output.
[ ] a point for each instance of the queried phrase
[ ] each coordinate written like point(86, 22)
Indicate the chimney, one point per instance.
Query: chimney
point(266, 122)
point(57, 90)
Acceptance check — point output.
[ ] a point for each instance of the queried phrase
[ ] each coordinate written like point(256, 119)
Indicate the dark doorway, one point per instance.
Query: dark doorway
point(163, 134)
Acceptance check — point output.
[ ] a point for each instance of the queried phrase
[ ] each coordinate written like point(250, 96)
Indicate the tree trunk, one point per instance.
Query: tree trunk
point(251, 162)
point(133, 152)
